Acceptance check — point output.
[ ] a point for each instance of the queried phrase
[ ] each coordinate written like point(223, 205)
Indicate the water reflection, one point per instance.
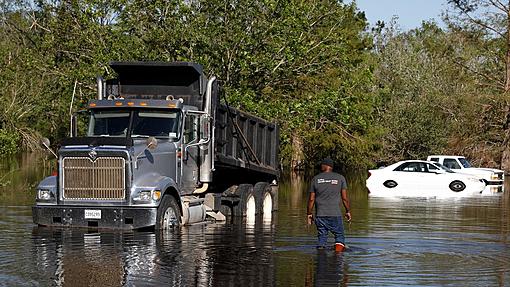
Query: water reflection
point(202, 255)
point(330, 269)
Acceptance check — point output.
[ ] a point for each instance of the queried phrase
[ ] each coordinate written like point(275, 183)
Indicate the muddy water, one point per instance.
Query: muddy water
point(420, 242)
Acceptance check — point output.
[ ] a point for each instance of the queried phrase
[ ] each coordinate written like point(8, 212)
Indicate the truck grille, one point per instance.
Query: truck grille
point(102, 179)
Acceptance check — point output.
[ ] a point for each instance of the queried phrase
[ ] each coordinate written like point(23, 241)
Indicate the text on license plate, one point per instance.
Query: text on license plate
point(92, 214)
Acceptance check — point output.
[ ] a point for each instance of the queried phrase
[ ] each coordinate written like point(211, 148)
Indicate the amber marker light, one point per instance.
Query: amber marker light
point(118, 104)
point(156, 195)
point(93, 105)
point(143, 104)
point(171, 105)
point(130, 104)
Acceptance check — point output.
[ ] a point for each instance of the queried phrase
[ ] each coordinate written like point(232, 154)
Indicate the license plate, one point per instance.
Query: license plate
point(92, 214)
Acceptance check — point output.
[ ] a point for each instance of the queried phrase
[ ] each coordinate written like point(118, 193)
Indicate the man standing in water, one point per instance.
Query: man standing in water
point(326, 191)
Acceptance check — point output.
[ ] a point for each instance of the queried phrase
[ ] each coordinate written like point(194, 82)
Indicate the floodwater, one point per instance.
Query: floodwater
point(393, 242)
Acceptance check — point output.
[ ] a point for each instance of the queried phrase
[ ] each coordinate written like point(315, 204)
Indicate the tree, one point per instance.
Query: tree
point(489, 21)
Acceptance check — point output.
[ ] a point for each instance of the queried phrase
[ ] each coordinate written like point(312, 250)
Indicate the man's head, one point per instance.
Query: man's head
point(327, 165)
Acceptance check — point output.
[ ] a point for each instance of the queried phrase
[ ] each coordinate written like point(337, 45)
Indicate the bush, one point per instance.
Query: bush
point(8, 142)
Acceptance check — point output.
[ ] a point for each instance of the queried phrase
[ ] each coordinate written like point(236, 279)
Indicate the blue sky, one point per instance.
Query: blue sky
point(410, 12)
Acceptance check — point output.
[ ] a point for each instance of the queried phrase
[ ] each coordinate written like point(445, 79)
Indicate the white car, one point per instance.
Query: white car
point(417, 178)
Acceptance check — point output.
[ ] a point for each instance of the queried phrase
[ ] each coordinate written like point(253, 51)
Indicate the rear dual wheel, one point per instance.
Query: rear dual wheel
point(255, 200)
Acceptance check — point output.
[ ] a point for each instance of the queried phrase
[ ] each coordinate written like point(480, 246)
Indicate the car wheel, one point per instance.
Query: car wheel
point(457, 186)
point(390, 183)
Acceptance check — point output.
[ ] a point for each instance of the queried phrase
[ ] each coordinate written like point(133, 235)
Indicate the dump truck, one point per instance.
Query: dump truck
point(159, 148)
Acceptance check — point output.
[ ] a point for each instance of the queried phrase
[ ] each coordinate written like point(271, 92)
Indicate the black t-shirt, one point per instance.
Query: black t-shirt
point(328, 187)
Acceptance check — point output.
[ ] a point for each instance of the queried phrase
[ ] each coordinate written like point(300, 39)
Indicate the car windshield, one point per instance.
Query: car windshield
point(444, 168)
point(465, 163)
point(137, 123)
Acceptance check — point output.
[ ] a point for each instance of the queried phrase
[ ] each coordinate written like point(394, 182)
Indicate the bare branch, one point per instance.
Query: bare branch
point(486, 26)
point(500, 6)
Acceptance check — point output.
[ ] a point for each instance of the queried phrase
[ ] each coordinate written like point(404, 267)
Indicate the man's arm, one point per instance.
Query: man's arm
point(311, 203)
point(347, 205)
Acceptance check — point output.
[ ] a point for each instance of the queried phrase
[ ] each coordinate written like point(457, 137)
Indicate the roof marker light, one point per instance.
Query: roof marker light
point(143, 104)
point(130, 104)
point(118, 103)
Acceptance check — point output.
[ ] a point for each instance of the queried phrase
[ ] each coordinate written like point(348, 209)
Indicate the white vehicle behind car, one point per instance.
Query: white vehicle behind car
point(494, 178)
point(417, 178)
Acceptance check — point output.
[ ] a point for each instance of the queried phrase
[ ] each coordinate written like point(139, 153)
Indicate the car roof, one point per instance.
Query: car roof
point(446, 156)
point(411, 160)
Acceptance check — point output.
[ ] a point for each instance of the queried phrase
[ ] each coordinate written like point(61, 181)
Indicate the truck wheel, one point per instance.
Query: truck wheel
point(457, 186)
point(226, 209)
point(267, 198)
point(169, 213)
point(247, 205)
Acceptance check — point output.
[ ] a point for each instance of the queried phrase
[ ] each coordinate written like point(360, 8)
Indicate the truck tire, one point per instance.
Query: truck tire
point(268, 200)
point(169, 213)
point(457, 186)
point(248, 199)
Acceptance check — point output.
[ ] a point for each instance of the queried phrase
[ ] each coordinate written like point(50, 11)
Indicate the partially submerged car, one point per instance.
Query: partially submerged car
point(417, 178)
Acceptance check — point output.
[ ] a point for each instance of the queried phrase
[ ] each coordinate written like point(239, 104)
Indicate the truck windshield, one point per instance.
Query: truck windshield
point(139, 123)
point(109, 123)
point(465, 163)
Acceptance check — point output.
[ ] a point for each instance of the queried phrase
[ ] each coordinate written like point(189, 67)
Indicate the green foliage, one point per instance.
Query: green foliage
point(8, 143)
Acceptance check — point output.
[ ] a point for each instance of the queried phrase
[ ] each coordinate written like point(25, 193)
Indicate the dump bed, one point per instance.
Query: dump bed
point(245, 141)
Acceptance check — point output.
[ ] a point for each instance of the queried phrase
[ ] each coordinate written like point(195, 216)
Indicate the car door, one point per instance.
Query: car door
point(434, 178)
point(409, 176)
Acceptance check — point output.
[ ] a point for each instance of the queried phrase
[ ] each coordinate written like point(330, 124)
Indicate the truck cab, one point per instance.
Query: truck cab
point(492, 177)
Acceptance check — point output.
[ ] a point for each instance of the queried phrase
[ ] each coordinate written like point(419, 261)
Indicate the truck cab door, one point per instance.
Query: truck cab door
point(190, 157)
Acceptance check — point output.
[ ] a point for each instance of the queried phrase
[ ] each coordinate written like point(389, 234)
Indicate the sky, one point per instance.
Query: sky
point(410, 13)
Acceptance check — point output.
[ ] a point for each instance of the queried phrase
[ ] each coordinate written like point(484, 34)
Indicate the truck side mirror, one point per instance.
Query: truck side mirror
point(152, 143)
point(205, 128)
point(45, 142)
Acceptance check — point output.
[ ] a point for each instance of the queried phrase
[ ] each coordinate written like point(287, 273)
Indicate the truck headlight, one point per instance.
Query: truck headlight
point(45, 194)
point(147, 195)
point(144, 195)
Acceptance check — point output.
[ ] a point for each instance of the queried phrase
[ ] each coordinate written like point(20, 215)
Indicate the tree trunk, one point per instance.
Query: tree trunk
point(505, 156)
point(297, 160)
